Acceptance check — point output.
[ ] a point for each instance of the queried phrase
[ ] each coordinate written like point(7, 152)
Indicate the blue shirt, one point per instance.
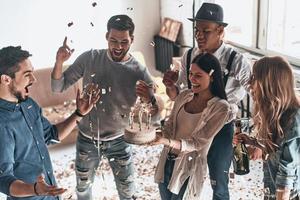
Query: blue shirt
point(24, 136)
point(282, 169)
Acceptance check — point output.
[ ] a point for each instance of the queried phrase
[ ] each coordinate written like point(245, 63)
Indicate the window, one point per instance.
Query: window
point(284, 27)
point(267, 27)
point(240, 29)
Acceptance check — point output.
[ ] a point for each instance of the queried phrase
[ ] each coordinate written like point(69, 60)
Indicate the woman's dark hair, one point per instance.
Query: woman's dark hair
point(10, 57)
point(121, 23)
point(208, 62)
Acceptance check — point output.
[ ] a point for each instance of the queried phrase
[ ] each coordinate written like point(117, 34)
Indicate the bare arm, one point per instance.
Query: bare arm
point(19, 188)
point(64, 128)
point(84, 105)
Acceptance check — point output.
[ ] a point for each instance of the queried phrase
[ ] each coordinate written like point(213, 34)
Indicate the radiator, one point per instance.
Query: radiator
point(164, 51)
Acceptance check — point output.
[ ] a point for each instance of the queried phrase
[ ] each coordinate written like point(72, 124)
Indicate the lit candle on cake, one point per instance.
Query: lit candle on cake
point(140, 118)
point(149, 121)
point(131, 116)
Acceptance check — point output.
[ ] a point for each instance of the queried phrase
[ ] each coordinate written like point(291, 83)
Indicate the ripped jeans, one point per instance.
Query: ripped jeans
point(119, 155)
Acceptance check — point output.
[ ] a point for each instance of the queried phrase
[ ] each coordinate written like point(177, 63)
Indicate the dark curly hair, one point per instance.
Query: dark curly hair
point(10, 57)
point(121, 23)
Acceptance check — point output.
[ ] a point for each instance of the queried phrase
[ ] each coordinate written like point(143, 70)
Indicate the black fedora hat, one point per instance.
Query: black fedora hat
point(210, 12)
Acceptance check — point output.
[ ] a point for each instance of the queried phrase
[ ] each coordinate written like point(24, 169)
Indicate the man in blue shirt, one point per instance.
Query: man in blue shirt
point(25, 165)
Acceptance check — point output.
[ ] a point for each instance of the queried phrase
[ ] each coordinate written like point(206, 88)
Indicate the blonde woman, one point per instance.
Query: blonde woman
point(197, 116)
point(277, 119)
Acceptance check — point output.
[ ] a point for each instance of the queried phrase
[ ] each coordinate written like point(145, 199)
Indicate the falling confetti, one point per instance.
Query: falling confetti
point(103, 91)
point(71, 41)
point(92, 75)
point(172, 67)
point(92, 24)
point(109, 89)
point(112, 159)
point(129, 8)
point(152, 43)
point(180, 5)
point(70, 24)
point(94, 4)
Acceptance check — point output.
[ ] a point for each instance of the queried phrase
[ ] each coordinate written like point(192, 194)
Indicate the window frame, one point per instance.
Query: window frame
point(259, 34)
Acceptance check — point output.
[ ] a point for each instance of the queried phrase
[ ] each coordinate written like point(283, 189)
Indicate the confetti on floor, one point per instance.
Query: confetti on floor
point(246, 187)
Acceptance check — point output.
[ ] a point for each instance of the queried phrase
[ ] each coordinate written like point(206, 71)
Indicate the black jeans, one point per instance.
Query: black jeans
point(219, 159)
point(164, 192)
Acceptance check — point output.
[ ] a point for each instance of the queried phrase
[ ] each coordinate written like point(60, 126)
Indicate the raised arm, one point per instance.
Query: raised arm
point(64, 53)
point(169, 80)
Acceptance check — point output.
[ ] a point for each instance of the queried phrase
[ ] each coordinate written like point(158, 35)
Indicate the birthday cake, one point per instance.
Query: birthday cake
point(136, 136)
point(140, 130)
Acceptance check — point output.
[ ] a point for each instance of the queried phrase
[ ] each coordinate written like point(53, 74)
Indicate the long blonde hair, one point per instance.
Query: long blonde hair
point(275, 102)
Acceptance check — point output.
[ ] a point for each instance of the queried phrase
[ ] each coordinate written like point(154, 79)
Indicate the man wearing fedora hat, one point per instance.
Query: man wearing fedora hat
point(209, 33)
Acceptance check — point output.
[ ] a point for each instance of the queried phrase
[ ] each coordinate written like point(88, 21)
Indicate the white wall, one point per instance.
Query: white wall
point(180, 10)
point(40, 26)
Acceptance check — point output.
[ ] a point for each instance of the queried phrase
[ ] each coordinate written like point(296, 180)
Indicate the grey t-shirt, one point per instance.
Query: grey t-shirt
point(117, 81)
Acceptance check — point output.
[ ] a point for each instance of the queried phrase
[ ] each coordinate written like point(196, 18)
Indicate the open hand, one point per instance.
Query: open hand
point(86, 101)
point(170, 78)
point(43, 189)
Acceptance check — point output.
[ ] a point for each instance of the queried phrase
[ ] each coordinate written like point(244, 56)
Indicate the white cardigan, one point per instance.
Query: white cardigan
point(191, 162)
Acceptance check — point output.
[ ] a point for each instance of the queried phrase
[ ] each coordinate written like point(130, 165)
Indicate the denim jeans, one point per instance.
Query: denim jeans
point(119, 154)
point(219, 159)
point(165, 193)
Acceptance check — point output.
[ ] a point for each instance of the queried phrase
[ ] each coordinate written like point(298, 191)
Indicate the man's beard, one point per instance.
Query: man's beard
point(17, 94)
point(119, 58)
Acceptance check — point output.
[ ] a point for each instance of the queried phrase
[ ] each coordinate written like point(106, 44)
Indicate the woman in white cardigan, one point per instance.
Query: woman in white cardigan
point(197, 116)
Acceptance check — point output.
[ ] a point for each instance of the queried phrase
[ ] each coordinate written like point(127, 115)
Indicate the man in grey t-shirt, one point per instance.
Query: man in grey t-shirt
point(101, 132)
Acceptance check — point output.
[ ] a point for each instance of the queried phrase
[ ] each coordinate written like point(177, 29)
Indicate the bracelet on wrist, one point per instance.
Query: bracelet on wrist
point(34, 189)
point(78, 113)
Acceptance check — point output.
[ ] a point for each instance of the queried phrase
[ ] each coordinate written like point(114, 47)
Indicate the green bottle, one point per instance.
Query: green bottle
point(240, 154)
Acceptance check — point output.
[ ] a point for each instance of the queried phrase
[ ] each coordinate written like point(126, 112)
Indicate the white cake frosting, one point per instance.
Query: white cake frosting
point(134, 135)
point(140, 130)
